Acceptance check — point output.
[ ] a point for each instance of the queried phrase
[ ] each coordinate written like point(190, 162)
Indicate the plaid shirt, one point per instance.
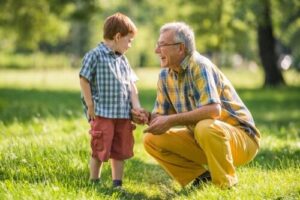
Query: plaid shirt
point(110, 76)
point(201, 83)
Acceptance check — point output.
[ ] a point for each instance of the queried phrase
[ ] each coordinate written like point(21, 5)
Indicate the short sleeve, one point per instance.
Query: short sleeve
point(88, 66)
point(133, 76)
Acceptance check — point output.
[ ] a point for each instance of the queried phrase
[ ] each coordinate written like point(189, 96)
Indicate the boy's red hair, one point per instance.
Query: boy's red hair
point(118, 23)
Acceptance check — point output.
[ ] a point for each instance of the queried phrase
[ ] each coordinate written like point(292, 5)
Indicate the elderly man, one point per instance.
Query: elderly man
point(218, 130)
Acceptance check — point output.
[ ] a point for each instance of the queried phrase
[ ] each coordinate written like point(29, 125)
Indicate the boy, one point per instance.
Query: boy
point(109, 93)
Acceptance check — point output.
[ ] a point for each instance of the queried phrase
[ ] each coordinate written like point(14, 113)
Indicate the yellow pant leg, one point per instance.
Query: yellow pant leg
point(178, 153)
point(225, 147)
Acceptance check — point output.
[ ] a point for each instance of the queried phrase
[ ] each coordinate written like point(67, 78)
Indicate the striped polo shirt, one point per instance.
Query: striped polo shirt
point(201, 83)
point(110, 76)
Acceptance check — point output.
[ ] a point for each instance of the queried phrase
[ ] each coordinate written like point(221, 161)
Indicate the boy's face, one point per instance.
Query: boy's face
point(123, 43)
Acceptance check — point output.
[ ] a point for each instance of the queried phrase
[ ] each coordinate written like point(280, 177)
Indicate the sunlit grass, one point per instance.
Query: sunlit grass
point(67, 78)
point(44, 143)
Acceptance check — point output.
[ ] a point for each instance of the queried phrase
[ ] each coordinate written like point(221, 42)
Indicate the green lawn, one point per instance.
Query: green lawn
point(44, 144)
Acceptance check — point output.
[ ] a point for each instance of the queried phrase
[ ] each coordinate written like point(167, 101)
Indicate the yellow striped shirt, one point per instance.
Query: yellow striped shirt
point(200, 83)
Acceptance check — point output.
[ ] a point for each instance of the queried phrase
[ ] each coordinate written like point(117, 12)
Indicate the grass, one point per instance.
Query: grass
point(37, 60)
point(44, 144)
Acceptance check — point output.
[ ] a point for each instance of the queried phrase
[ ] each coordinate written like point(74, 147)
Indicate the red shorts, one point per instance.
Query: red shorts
point(111, 138)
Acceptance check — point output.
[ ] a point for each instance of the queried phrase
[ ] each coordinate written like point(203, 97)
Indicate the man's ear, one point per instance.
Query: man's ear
point(182, 48)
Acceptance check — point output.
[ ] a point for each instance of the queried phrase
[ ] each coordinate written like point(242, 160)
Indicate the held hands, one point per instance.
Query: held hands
point(140, 116)
point(157, 125)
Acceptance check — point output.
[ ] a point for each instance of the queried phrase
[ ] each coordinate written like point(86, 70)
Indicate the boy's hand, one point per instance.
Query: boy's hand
point(139, 115)
point(91, 113)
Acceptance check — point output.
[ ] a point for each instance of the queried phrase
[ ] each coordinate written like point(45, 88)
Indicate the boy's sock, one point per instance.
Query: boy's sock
point(117, 183)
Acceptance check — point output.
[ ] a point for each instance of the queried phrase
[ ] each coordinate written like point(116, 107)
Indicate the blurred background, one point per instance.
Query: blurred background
point(55, 34)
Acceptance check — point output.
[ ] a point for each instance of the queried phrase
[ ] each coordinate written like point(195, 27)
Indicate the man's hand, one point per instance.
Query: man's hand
point(159, 125)
point(140, 115)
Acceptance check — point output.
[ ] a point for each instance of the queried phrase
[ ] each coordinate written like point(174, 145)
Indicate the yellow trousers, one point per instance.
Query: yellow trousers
point(215, 146)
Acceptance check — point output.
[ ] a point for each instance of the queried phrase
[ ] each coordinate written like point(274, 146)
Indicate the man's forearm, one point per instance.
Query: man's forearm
point(212, 111)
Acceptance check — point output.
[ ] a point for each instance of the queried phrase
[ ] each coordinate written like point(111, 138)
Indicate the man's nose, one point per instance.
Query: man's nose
point(157, 50)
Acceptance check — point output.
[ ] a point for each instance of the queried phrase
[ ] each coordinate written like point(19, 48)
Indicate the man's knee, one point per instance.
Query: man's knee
point(148, 141)
point(203, 127)
point(206, 130)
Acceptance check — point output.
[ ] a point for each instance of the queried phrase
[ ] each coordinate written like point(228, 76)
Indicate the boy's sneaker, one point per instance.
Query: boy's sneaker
point(117, 183)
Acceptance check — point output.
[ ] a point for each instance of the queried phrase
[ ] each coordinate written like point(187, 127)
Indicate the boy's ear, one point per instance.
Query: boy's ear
point(117, 36)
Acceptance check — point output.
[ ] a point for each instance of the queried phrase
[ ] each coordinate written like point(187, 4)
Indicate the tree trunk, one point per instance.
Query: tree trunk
point(266, 44)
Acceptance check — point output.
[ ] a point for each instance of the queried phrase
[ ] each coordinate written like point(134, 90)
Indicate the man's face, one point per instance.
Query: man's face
point(169, 51)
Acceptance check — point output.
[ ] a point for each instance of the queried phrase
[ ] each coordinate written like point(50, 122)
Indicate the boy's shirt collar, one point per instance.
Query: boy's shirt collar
point(108, 51)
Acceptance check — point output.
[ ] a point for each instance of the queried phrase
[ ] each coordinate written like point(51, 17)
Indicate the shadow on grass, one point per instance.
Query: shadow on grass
point(281, 158)
point(24, 104)
point(273, 106)
point(278, 106)
point(61, 173)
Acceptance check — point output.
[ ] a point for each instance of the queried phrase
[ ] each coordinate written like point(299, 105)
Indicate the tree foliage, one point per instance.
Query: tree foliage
point(223, 28)
point(27, 23)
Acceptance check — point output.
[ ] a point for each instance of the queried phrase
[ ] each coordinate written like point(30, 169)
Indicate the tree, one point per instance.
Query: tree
point(266, 43)
point(230, 26)
point(27, 23)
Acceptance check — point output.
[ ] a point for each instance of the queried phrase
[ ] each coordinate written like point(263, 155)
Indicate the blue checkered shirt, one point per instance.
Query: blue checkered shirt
point(110, 76)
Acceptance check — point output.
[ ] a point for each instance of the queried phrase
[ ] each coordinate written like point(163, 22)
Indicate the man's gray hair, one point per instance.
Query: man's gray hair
point(183, 33)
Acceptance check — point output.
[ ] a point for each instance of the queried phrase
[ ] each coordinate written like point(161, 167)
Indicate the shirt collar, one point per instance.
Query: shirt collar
point(108, 51)
point(185, 63)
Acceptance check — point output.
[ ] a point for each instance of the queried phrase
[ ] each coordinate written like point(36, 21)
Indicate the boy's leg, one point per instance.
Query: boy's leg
point(95, 168)
point(122, 148)
point(101, 139)
point(117, 167)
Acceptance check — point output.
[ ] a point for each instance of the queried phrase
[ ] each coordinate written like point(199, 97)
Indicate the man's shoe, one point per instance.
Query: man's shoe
point(203, 178)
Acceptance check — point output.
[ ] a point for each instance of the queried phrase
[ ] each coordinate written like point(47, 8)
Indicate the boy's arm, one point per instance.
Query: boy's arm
point(87, 95)
point(139, 115)
point(134, 96)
